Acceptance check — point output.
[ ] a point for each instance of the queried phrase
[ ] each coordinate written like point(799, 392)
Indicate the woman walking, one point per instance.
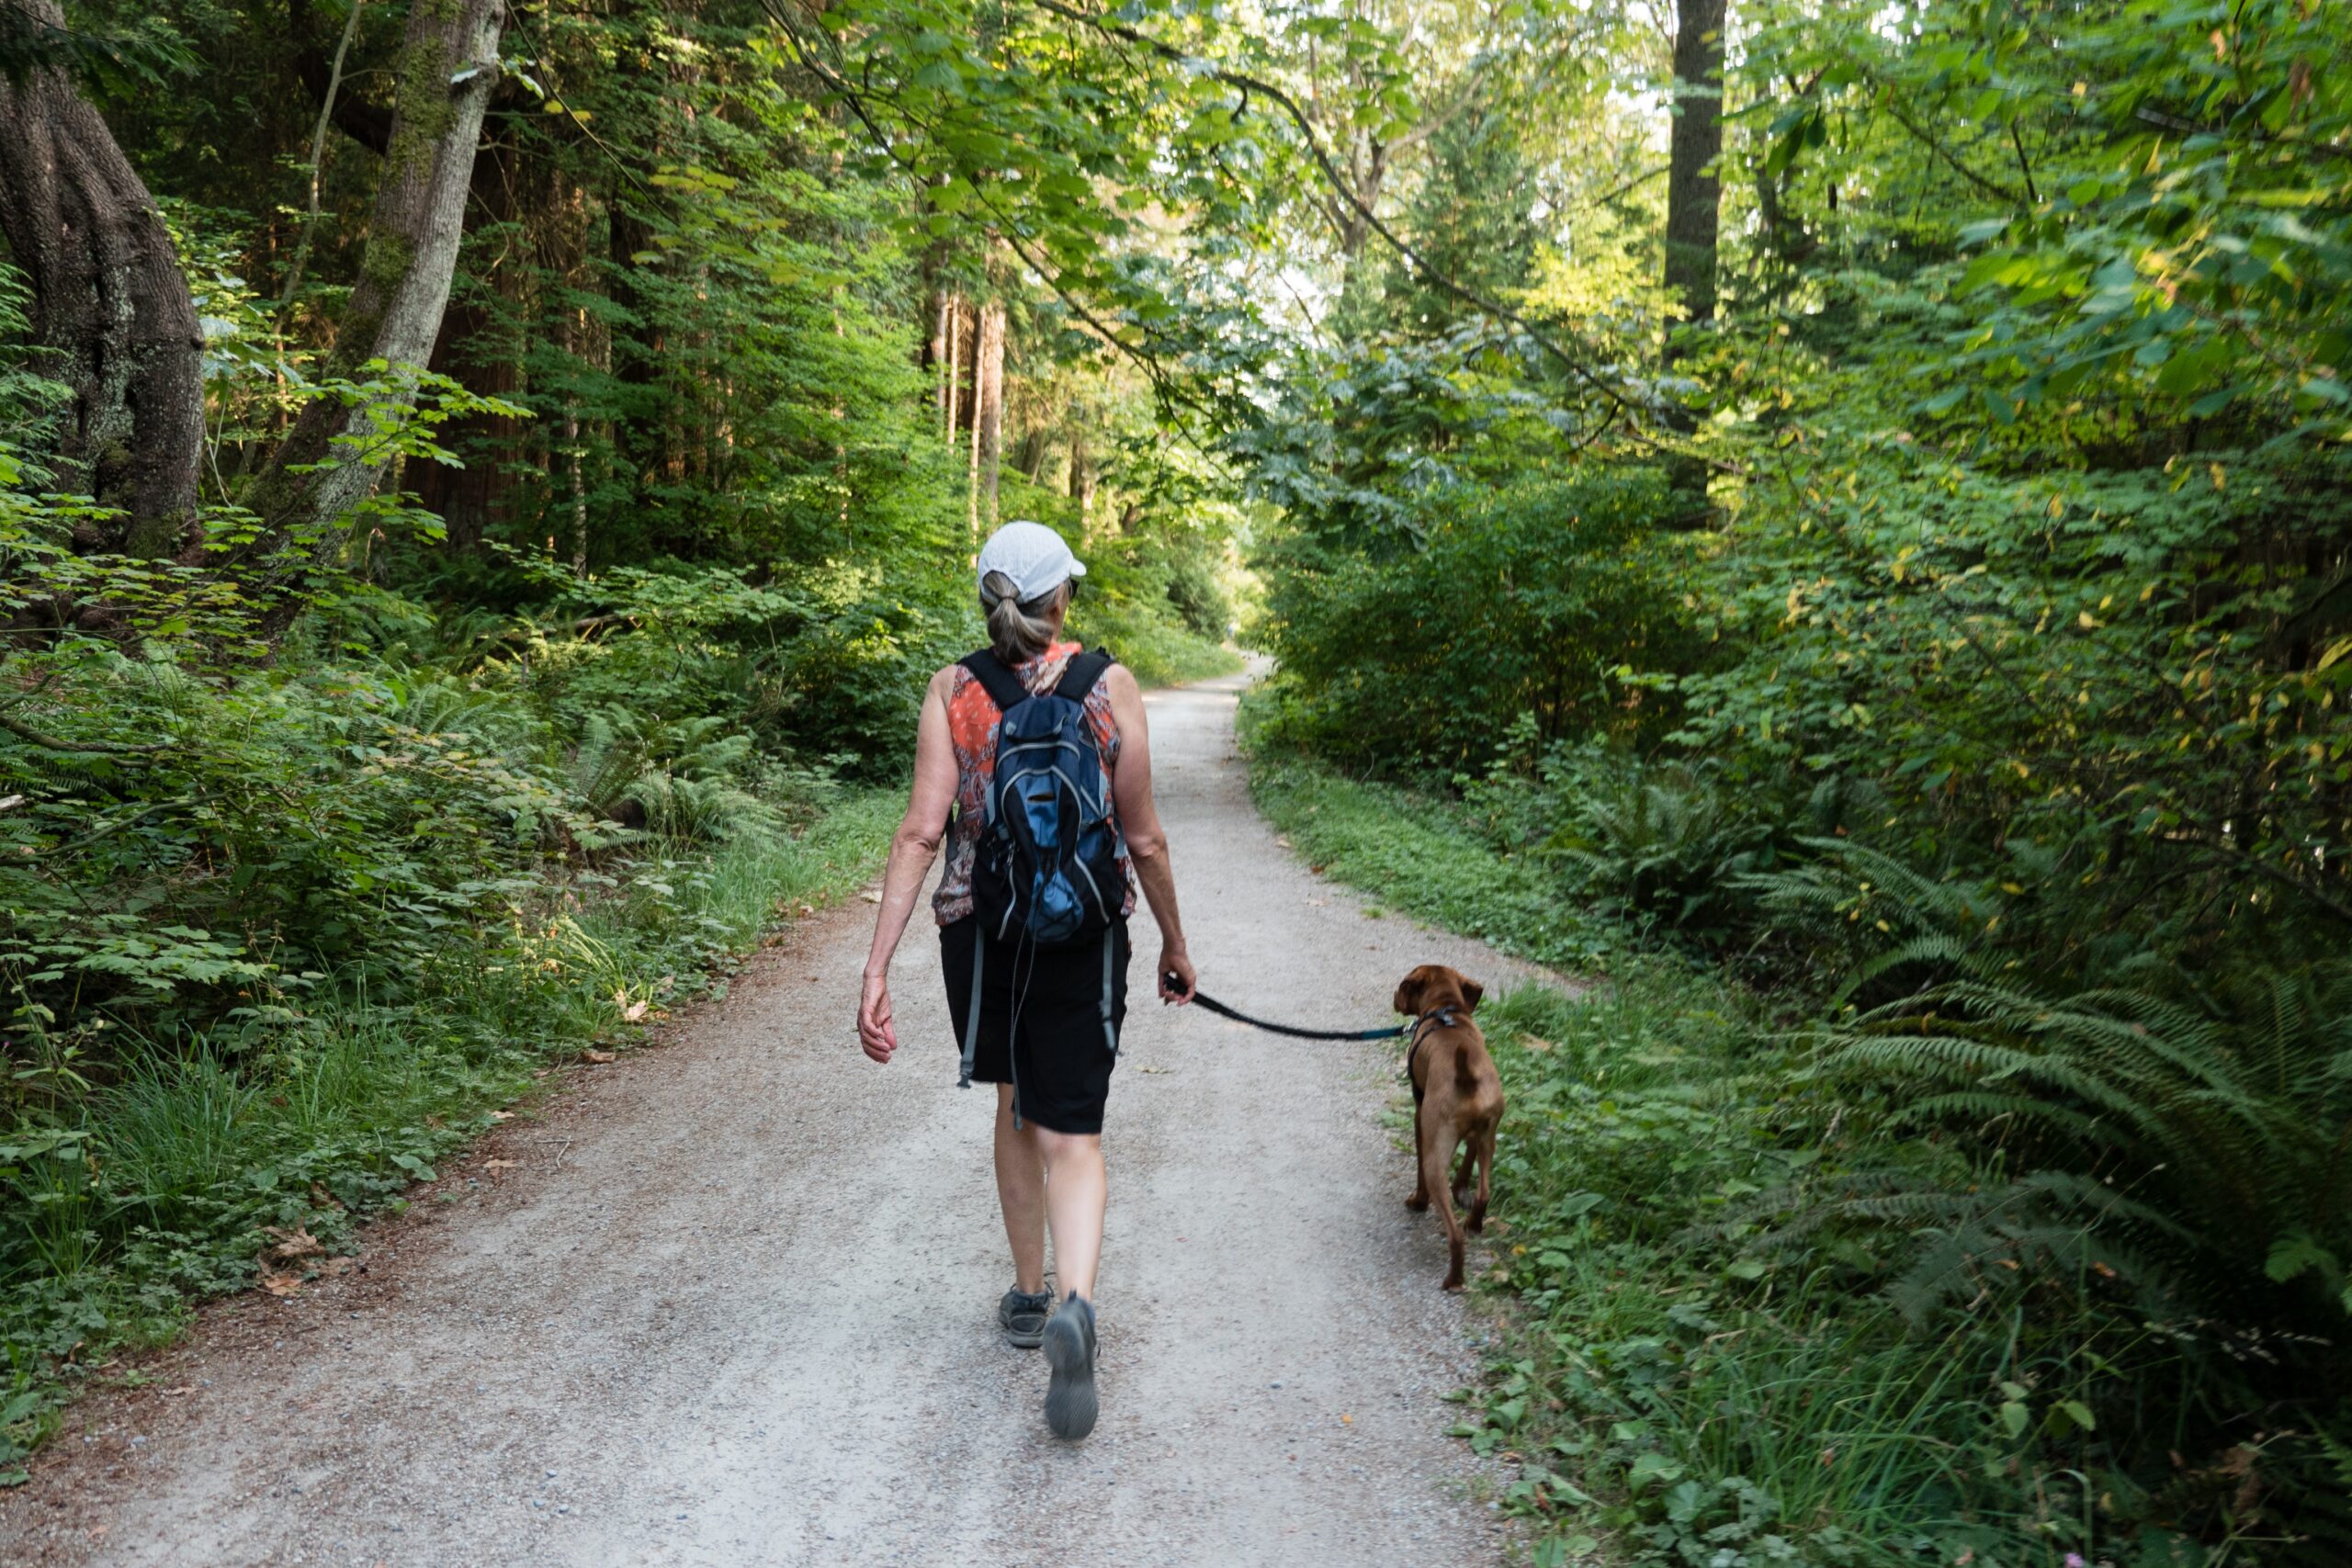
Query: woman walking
point(1038, 1011)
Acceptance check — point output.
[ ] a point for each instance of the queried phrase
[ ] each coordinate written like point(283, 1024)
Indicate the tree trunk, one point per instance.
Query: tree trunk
point(639, 344)
point(470, 499)
point(936, 357)
point(1693, 192)
point(1081, 478)
point(972, 492)
point(952, 393)
point(1031, 461)
point(988, 388)
point(110, 306)
point(448, 66)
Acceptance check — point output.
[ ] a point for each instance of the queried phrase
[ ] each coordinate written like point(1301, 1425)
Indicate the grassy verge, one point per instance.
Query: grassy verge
point(1416, 856)
point(1674, 1393)
point(197, 1172)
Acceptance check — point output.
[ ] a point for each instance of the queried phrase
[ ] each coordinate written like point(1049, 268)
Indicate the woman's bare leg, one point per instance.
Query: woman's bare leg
point(1076, 1187)
point(1021, 1190)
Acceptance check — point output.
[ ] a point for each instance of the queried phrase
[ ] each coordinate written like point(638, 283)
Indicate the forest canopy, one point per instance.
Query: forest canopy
point(1845, 498)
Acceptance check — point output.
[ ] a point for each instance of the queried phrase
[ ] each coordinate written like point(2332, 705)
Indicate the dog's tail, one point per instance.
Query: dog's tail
point(1464, 1077)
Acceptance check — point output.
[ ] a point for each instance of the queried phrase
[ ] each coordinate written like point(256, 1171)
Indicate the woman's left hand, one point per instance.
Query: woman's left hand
point(874, 1029)
point(1176, 976)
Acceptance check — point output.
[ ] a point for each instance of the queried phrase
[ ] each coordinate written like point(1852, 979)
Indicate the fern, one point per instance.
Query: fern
point(2201, 1155)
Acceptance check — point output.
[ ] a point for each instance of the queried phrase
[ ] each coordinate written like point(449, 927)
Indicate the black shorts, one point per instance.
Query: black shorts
point(1045, 1027)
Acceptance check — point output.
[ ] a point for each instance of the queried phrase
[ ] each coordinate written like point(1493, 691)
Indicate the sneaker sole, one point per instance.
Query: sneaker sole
point(1020, 1341)
point(1071, 1405)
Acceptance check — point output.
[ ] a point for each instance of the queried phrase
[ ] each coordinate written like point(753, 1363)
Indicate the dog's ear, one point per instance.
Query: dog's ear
point(1408, 1000)
point(1472, 992)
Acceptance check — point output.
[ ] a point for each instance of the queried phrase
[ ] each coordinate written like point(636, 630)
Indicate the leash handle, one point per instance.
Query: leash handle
point(1202, 999)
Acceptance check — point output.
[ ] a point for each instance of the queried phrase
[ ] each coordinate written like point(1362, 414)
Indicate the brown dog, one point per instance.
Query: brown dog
point(1457, 1098)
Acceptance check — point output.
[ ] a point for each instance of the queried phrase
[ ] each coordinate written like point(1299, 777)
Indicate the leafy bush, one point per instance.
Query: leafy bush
point(1201, 601)
point(1527, 600)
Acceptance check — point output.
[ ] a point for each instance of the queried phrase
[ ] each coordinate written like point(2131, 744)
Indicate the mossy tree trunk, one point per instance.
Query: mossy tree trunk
point(1693, 215)
point(447, 69)
point(1693, 189)
point(110, 308)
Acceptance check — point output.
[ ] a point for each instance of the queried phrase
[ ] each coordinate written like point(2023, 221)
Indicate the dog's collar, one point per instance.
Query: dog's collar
point(1442, 1017)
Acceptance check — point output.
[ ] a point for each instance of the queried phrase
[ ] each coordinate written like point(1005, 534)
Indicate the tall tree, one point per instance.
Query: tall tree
point(109, 304)
point(1693, 191)
point(1081, 477)
point(988, 429)
point(448, 67)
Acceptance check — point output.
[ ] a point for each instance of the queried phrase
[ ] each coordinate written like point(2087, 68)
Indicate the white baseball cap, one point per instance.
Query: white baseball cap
point(1033, 556)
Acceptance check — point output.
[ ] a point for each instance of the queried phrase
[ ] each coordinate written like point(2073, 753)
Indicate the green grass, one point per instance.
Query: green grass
point(166, 1187)
point(1419, 858)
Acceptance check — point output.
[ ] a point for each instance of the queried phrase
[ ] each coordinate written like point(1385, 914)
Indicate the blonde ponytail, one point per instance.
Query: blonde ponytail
point(1017, 632)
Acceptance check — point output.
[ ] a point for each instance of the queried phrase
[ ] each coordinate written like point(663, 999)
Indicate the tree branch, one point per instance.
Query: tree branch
point(1921, 135)
point(48, 742)
point(1298, 117)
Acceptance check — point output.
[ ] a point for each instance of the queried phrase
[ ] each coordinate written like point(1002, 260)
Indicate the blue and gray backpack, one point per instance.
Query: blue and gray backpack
point(1048, 868)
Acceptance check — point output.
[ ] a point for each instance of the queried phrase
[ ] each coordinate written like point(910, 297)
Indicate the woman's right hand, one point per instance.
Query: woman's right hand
point(874, 1029)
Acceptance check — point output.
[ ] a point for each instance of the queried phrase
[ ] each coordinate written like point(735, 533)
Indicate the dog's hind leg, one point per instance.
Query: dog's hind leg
point(1433, 1153)
point(1420, 1198)
point(1483, 1141)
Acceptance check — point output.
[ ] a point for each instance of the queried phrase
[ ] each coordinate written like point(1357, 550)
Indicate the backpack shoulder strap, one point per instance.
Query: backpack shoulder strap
point(1003, 687)
point(1079, 675)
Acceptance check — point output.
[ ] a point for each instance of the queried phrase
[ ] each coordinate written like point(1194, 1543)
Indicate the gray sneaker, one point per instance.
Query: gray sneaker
point(1023, 1316)
point(1071, 1405)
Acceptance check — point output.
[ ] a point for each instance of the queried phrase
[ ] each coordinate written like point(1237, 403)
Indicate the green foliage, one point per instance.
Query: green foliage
point(1523, 601)
point(2198, 1146)
point(1420, 857)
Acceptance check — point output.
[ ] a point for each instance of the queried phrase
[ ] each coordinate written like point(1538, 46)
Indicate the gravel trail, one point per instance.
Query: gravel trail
point(735, 1302)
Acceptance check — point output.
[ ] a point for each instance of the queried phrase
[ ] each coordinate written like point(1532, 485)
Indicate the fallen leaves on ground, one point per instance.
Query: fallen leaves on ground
point(635, 1012)
point(596, 1056)
point(286, 1246)
point(499, 1163)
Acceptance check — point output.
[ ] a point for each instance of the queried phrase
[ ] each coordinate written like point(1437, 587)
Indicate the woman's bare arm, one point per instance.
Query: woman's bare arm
point(912, 848)
point(1147, 840)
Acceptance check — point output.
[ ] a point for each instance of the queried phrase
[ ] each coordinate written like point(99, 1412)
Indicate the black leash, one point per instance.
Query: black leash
point(1224, 1011)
